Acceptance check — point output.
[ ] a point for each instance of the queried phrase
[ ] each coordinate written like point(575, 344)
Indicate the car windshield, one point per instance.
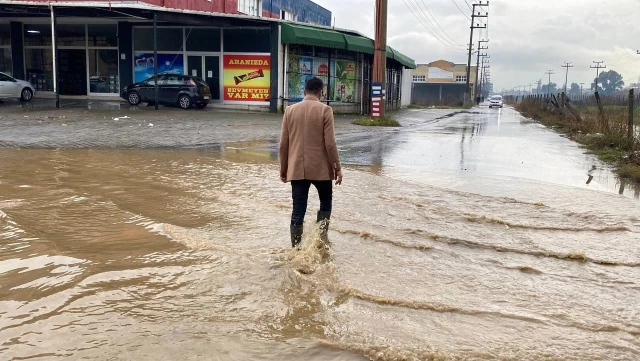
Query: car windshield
point(496, 97)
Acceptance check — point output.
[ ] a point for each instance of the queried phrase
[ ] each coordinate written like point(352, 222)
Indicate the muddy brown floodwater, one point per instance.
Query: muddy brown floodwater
point(182, 254)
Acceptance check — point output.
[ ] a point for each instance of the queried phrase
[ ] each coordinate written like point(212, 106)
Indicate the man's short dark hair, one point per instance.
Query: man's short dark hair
point(314, 85)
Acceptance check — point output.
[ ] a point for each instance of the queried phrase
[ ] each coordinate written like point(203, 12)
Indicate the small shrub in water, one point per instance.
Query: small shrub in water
point(384, 121)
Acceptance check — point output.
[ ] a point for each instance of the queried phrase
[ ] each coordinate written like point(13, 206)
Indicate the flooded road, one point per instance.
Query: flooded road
point(443, 248)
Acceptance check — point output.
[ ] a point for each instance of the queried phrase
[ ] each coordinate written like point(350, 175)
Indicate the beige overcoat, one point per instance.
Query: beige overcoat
point(307, 144)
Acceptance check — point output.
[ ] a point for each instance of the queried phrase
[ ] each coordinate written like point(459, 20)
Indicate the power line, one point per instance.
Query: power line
point(463, 13)
point(625, 61)
point(436, 22)
point(466, 2)
point(429, 28)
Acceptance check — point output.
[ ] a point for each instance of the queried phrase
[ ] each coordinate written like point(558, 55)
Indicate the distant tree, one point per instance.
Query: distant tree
point(609, 82)
point(575, 90)
point(553, 87)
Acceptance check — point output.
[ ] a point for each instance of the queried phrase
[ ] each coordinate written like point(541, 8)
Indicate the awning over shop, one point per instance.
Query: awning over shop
point(307, 35)
point(403, 59)
point(359, 44)
point(297, 34)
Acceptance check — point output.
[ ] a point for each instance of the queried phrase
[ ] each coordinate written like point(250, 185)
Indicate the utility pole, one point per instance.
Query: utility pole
point(531, 89)
point(539, 87)
point(480, 48)
point(485, 69)
point(467, 91)
point(566, 78)
point(550, 71)
point(598, 67)
point(380, 54)
point(581, 86)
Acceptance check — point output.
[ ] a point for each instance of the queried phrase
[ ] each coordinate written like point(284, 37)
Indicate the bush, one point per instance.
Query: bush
point(384, 121)
point(630, 171)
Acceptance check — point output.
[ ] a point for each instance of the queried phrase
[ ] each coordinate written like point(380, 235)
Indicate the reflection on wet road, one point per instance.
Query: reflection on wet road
point(487, 147)
point(443, 248)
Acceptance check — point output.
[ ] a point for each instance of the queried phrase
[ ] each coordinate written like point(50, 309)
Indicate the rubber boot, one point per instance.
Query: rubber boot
point(323, 219)
point(296, 235)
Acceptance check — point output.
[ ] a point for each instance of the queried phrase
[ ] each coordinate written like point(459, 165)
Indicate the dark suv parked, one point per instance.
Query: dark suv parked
point(173, 89)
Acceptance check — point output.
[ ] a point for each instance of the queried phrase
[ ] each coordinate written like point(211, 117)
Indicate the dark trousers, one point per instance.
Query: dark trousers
point(300, 195)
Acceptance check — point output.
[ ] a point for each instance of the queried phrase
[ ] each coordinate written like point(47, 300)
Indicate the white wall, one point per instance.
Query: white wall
point(407, 79)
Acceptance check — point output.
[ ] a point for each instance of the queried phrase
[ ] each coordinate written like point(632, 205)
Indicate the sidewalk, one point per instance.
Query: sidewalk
point(111, 124)
point(105, 124)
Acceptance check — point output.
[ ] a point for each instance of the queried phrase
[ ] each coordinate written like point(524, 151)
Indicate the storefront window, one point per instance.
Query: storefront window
point(196, 35)
point(169, 39)
point(325, 52)
point(341, 77)
point(5, 34)
point(103, 71)
point(37, 35)
point(5, 61)
point(70, 35)
point(39, 68)
point(346, 55)
point(247, 41)
point(103, 35)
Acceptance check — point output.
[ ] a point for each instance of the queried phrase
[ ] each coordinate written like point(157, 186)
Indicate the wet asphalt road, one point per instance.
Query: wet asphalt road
point(496, 146)
point(179, 248)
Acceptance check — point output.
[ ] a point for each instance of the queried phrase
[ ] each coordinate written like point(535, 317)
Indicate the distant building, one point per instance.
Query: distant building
point(302, 11)
point(488, 89)
point(441, 82)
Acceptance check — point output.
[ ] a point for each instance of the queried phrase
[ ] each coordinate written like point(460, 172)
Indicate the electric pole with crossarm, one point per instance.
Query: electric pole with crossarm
point(480, 48)
point(598, 66)
point(550, 71)
point(566, 78)
point(467, 91)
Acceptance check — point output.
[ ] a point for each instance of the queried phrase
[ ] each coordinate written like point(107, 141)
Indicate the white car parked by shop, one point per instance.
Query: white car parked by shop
point(11, 87)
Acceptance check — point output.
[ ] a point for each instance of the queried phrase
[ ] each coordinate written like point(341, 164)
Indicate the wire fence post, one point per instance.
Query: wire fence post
point(630, 129)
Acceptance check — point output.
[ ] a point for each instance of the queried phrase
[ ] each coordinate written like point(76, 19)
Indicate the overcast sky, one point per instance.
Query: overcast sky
point(527, 37)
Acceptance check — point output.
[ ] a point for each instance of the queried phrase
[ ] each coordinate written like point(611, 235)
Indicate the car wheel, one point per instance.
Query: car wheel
point(184, 102)
point(26, 95)
point(201, 106)
point(134, 98)
point(490, 107)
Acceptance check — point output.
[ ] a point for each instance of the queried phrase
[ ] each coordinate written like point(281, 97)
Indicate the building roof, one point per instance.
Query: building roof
point(310, 34)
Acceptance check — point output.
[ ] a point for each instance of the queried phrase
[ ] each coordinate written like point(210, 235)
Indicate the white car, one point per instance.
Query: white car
point(11, 87)
point(495, 101)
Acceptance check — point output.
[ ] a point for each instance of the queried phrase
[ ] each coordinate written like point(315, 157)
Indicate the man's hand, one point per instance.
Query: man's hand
point(283, 179)
point(338, 177)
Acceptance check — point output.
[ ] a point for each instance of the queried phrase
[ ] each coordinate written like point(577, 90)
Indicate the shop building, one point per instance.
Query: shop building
point(249, 62)
point(441, 82)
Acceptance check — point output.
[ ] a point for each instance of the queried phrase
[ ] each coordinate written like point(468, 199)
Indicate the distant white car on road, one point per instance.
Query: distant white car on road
point(495, 101)
point(11, 87)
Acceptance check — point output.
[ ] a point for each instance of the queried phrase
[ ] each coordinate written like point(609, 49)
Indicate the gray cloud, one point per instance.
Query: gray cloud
point(526, 37)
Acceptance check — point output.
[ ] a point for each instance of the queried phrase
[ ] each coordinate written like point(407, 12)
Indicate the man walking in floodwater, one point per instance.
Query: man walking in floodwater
point(309, 155)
